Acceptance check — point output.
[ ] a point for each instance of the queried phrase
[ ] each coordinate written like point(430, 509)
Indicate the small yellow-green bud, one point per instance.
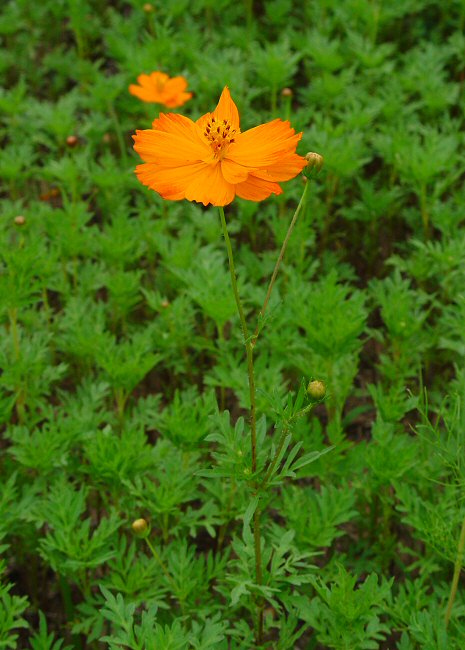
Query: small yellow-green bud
point(20, 220)
point(140, 528)
point(316, 389)
point(148, 8)
point(314, 164)
point(287, 92)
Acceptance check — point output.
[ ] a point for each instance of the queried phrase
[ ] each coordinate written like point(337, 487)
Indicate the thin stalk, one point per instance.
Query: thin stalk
point(249, 15)
point(69, 609)
point(13, 316)
point(424, 211)
point(272, 465)
point(119, 133)
point(67, 598)
point(247, 341)
point(281, 441)
point(21, 395)
point(274, 101)
point(280, 259)
point(163, 566)
point(253, 424)
point(219, 329)
point(456, 576)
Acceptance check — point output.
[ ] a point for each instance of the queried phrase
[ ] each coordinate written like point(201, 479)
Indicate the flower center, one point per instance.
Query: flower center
point(220, 135)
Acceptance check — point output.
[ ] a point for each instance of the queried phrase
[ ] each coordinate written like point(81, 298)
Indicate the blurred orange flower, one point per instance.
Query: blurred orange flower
point(211, 161)
point(158, 88)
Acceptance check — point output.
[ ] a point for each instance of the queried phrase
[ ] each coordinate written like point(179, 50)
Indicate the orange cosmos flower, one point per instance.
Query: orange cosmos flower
point(211, 161)
point(157, 87)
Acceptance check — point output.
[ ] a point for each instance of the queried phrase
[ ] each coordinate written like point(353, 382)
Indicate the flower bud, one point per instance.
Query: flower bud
point(72, 141)
point(316, 389)
point(140, 528)
point(286, 92)
point(106, 138)
point(20, 220)
point(314, 164)
point(148, 8)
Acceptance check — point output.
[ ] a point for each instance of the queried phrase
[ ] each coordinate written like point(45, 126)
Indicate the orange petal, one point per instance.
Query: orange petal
point(264, 145)
point(176, 85)
point(211, 187)
point(285, 169)
point(232, 172)
point(169, 181)
point(227, 109)
point(156, 78)
point(256, 189)
point(196, 182)
point(173, 101)
point(177, 124)
point(143, 93)
point(176, 143)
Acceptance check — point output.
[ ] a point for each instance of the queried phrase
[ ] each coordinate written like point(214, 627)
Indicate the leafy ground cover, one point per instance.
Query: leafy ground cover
point(124, 389)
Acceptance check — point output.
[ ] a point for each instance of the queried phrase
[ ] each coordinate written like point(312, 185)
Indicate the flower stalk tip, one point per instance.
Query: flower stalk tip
point(20, 220)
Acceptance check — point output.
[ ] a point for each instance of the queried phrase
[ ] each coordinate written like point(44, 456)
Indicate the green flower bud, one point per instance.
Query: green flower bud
point(314, 164)
point(316, 390)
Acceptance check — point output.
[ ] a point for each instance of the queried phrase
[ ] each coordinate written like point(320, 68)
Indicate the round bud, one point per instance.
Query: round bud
point(106, 138)
point(140, 528)
point(287, 92)
point(314, 164)
point(20, 220)
point(148, 8)
point(316, 389)
point(165, 304)
point(71, 141)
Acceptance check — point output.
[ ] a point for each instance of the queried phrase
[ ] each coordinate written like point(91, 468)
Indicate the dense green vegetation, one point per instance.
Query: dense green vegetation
point(124, 389)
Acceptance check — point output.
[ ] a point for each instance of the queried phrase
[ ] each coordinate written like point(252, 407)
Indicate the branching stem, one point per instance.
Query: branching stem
point(253, 422)
point(279, 260)
point(456, 576)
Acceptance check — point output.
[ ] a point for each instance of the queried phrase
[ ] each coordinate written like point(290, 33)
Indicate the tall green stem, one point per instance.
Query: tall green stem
point(247, 341)
point(119, 133)
point(457, 570)
point(280, 259)
point(424, 210)
point(253, 422)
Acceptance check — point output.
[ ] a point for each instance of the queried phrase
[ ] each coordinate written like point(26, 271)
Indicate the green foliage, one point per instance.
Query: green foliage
point(123, 377)
point(346, 617)
point(12, 608)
